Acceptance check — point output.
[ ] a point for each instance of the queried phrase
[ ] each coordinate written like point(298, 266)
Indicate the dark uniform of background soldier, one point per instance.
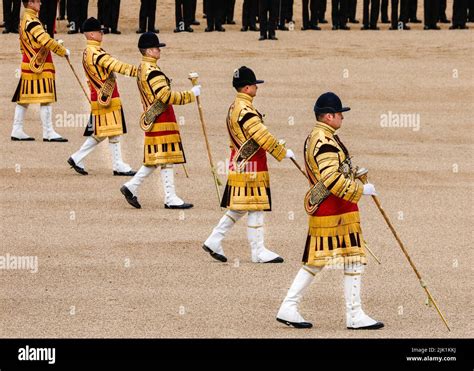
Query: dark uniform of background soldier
point(412, 8)
point(183, 15)
point(267, 15)
point(285, 14)
point(470, 10)
point(403, 14)
point(322, 11)
point(459, 15)
point(147, 17)
point(76, 14)
point(442, 12)
point(108, 15)
point(310, 16)
point(47, 15)
point(214, 13)
point(339, 14)
point(384, 12)
point(371, 14)
point(228, 12)
point(249, 15)
point(431, 10)
point(193, 13)
point(62, 10)
point(352, 10)
point(11, 15)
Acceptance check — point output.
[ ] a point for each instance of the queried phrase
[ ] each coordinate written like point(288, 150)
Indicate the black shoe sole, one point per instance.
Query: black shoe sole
point(295, 324)
point(216, 256)
point(56, 140)
point(132, 200)
point(276, 260)
point(30, 139)
point(375, 326)
point(78, 169)
point(128, 173)
point(179, 207)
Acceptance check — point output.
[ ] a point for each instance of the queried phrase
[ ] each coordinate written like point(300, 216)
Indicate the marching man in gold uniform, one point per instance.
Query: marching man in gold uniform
point(334, 237)
point(107, 118)
point(37, 82)
point(162, 145)
point(248, 183)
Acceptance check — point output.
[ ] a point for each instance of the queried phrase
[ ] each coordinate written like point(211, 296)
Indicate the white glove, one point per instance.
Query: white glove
point(68, 52)
point(290, 154)
point(369, 190)
point(196, 90)
point(60, 42)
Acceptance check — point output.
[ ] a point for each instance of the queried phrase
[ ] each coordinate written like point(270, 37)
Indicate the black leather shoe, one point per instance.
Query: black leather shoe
point(183, 206)
point(189, 29)
point(116, 32)
point(177, 30)
point(295, 324)
point(29, 139)
point(386, 21)
point(444, 20)
point(262, 37)
point(272, 37)
point(140, 31)
point(6, 31)
point(323, 21)
point(254, 28)
point(57, 140)
point(315, 28)
point(78, 169)
point(124, 173)
point(278, 259)
point(131, 199)
point(345, 27)
point(363, 28)
point(353, 21)
point(154, 30)
point(334, 28)
point(244, 29)
point(220, 29)
point(415, 21)
point(375, 326)
point(196, 23)
point(215, 255)
point(72, 32)
point(208, 29)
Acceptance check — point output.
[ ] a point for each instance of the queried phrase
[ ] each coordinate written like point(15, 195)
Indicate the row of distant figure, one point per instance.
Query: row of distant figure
point(269, 15)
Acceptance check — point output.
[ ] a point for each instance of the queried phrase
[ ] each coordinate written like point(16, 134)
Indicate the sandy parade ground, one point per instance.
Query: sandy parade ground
point(105, 269)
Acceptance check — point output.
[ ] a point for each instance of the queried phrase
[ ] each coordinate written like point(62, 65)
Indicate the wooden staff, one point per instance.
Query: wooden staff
point(362, 175)
point(77, 78)
point(193, 77)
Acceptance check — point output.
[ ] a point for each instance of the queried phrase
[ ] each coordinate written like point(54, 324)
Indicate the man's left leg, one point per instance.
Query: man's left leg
point(255, 236)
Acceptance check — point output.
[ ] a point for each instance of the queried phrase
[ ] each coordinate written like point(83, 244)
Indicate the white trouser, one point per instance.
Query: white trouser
point(116, 151)
point(255, 235)
point(46, 114)
point(18, 119)
point(355, 316)
point(138, 178)
point(167, 179)
point(86, 148)
point(289, 307)
point(214, 241)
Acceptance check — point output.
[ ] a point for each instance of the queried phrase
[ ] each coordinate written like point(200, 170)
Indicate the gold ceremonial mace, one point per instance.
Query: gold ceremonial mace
point(193, 77)
point(77, 78)
point(362, 175)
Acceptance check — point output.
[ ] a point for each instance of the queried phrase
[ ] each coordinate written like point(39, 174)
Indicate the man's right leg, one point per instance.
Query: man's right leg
point(213, 244)
point(288, 312)
point(130, 188)
point(77, 158)
point(17, 130)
